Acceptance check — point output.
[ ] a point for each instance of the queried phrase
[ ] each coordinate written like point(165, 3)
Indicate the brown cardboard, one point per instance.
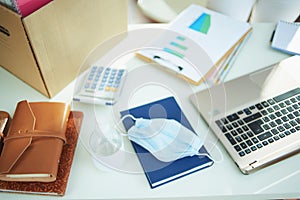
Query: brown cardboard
point(47, 48)
point(16, 55)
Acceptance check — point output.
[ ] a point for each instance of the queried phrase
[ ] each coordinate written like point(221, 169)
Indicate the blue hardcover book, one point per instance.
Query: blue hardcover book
point(156, 171)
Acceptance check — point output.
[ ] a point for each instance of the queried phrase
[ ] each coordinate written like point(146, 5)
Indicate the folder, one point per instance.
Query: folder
point(197, 43)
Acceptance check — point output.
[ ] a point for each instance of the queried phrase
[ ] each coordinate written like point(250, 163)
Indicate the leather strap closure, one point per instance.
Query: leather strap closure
point(34, 133)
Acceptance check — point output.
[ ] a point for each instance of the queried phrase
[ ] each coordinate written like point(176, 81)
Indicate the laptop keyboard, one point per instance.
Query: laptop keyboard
point(264, 123)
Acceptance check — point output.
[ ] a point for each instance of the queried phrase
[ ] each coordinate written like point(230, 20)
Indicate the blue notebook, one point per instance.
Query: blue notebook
point(156, 171)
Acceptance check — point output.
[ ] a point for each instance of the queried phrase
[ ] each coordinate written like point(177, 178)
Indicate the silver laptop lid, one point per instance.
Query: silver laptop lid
point(236, 93)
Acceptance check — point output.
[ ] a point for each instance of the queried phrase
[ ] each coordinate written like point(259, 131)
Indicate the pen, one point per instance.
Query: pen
point(163, 61)
point(272, 36)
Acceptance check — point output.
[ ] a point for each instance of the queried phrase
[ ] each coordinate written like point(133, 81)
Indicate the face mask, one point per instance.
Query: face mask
point(165, 139)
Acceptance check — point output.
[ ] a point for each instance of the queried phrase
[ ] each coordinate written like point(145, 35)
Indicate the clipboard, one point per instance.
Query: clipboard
point(196, 43)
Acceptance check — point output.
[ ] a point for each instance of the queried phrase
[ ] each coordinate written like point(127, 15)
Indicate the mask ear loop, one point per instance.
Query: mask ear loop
point(209, 156)
point(117, 125)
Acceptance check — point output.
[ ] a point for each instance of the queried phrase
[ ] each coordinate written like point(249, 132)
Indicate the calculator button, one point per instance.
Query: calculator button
point(109, 88)
point(86, 85)
point(103, 83)
point(94, 68)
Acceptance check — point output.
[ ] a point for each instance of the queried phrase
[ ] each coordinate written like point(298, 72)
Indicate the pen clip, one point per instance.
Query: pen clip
point(155, 57)
point(272, 36)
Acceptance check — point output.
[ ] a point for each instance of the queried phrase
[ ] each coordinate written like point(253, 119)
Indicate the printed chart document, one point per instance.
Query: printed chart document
point(198, 44)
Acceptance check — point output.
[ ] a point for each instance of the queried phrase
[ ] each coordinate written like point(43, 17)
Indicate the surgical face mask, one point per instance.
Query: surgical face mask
point(166, 139)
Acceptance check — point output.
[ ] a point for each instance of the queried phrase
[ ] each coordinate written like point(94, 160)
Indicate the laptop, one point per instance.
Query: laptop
point(256, 116)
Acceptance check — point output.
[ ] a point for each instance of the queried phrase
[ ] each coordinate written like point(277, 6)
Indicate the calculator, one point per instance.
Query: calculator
point(101, 85)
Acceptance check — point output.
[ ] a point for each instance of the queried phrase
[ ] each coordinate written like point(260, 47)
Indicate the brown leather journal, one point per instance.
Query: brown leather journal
point(34, 142)
point(59, 186)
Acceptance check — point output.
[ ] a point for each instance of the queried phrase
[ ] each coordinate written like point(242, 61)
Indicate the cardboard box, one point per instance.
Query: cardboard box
point(46, 49)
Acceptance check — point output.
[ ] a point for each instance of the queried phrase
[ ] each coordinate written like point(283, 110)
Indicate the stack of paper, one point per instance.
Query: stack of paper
point(199, 45)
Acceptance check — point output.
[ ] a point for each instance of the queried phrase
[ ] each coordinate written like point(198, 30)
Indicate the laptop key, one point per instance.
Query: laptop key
point(255, 140)
point(282, 135)
point(271, 101)
point(265, 143)
point(241, 153)
point(240, 122)
point(264, 136)
point(287, 95)
point(221, 126)
point(290, 109)
point(276, 137)
point(274, 131)
point(240, 112)
point(288, 102)
point(292, 130)
point(248, 151)
point(259, 106)
point(270, 140)
point(238, 138)
point(296, 106)
point(273, 124)
point(255, 126)
point(253, 148)
point(293, 123)
point(234, 133)
point(247, 111)
point(252, 117)
point(290, 116)
point(237, 148)
point(284, 111)
point(243, 145)
point(287, 133)
point(230, 139)
point(224, 121)
point(249, 143)
point(233, 117)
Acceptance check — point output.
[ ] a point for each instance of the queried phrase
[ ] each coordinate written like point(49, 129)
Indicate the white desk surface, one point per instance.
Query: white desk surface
point(221, 181)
